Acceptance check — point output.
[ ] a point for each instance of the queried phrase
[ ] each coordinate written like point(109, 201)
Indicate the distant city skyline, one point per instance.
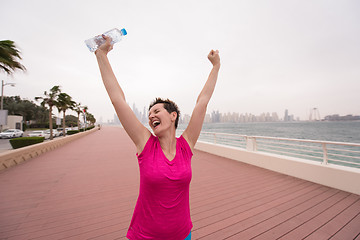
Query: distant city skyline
point(219, 117)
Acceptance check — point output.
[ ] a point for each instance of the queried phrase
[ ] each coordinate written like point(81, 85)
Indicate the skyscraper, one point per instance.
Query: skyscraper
point(286, 117)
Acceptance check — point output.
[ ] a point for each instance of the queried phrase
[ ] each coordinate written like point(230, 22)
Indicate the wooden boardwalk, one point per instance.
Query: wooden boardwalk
point(87, 190)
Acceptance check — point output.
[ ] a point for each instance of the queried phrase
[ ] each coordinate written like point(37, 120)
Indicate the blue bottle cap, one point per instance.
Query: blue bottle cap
point(123, 32)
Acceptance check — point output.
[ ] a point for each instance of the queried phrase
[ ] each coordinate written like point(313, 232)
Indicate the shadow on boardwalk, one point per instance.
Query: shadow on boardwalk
point(88, 189)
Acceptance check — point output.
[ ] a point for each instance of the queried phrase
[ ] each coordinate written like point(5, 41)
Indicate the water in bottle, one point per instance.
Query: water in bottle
point(115, 35)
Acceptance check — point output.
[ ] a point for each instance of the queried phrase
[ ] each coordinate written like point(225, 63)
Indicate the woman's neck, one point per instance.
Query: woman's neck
point(168, 144)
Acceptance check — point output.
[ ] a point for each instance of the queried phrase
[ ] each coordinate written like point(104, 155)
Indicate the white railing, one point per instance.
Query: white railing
point(340, 153)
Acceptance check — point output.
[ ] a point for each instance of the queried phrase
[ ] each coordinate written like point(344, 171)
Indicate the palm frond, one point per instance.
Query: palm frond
point(9, 57)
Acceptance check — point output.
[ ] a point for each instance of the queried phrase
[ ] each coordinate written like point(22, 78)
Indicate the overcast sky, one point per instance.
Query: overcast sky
point(275, 55)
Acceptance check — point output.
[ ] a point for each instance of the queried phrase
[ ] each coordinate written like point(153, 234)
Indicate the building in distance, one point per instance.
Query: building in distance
point(337, 117)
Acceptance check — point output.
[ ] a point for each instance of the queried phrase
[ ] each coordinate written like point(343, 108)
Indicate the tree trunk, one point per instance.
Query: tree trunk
point(64, 132)
point(50, 123)
point(78, 121)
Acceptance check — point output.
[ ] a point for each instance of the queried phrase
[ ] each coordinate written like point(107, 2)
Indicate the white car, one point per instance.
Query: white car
point(55, 132)
point(60, 130)
point(11, 133)
point(39, 133)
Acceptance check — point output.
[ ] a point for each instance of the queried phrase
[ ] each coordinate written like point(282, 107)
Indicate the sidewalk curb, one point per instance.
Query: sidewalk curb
point(15, 157)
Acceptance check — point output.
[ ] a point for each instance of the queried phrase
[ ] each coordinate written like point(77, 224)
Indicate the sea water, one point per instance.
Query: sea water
point(337, 131)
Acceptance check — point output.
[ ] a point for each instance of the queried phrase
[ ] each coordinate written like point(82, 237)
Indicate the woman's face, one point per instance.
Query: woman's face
point(160, 120)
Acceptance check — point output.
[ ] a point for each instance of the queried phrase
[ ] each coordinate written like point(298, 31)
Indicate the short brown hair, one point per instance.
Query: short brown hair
point(170, 107)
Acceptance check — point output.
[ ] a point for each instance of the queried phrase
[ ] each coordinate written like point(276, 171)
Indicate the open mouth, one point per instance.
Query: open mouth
point(156, 123)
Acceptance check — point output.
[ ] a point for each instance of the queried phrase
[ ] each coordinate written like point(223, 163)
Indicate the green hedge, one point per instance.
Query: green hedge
point(71, 132)
point(88, 128)
point(25, 141)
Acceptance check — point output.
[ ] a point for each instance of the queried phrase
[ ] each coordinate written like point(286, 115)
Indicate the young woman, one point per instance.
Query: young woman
point(162, 210)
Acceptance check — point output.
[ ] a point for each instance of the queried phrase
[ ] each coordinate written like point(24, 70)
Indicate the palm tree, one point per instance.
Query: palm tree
point(90, 118)
point(9, 57)
point(64, 103)
point(50, 100)
point(77, 109)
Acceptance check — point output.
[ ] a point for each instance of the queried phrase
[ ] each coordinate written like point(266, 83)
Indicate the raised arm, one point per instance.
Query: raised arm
point(138, 133)
point(192, 132)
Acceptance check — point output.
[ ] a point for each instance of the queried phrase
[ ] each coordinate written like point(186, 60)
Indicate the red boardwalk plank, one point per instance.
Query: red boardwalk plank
point(350, 230)
point(88, 189)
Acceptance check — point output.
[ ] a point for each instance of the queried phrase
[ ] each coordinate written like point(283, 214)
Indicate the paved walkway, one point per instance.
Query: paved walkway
point(87, 190)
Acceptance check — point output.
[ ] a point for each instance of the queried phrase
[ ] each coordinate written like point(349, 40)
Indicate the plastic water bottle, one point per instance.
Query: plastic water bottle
point(115, 35)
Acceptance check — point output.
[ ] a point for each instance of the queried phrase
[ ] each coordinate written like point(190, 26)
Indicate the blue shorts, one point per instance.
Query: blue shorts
point(188, 237)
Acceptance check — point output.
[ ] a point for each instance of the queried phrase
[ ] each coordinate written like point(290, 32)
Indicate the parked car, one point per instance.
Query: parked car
point(39, 133)
point(61, 130)
point(11, 133)
point(55, 132)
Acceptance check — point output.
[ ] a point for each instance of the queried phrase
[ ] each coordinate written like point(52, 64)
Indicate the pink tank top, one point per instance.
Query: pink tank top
point(162, 210)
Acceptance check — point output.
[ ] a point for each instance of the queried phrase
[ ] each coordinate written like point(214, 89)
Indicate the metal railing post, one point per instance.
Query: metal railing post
point(250, 143)
point(254, 144)
point(325, 154)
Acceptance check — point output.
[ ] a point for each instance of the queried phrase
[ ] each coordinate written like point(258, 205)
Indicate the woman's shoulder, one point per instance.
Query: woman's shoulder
point(184, 144)
point(149, 145)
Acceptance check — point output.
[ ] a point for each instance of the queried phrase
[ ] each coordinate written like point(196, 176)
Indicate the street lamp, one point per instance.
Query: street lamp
point(2, 92)
point(2, 98)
